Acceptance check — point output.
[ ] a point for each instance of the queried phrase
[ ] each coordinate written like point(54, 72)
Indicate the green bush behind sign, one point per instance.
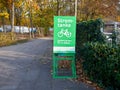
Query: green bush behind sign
point(88, 31)
point(102, 64)
point(101, 61)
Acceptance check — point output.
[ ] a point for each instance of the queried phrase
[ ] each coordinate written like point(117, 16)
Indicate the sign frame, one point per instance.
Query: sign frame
point(64, 44)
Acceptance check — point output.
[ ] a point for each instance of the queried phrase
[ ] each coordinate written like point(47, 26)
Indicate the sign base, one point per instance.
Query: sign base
point(64, 65)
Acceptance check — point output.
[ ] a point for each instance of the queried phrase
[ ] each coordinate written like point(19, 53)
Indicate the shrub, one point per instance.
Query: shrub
point(102, 64)
point(88, 31)
point(6, 39)
point(101, 61)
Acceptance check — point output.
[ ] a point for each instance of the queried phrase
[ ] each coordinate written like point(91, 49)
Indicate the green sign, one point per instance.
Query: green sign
point(64, 47)
point(64, 34)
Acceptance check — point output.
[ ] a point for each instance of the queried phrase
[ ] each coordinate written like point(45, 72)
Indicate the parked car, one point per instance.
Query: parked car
point(1, 29)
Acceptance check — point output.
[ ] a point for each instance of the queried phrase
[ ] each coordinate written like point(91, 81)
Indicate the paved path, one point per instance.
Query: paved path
point(28, 67)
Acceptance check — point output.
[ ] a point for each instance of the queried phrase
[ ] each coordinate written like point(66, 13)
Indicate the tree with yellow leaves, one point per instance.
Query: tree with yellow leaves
point(92, 9)
point(3, 14)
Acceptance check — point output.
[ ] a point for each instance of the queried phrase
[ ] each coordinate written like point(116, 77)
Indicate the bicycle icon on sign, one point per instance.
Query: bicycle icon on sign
point(64, 33)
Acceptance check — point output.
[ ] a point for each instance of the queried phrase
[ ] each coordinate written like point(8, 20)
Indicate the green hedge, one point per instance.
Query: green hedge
point(88, 31)
point(101, 61)
point(102, 64)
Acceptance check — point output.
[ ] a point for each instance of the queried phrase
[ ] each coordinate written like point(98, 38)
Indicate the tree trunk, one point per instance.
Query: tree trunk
point(12, 19)
point(58, 11)
point(31, 23)
point(29, 32)
point(3, 24)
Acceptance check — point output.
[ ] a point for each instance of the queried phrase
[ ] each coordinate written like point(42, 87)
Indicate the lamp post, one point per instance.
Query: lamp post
point(76, 7)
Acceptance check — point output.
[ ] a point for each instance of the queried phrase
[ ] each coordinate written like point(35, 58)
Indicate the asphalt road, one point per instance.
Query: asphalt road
point(28, 66)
